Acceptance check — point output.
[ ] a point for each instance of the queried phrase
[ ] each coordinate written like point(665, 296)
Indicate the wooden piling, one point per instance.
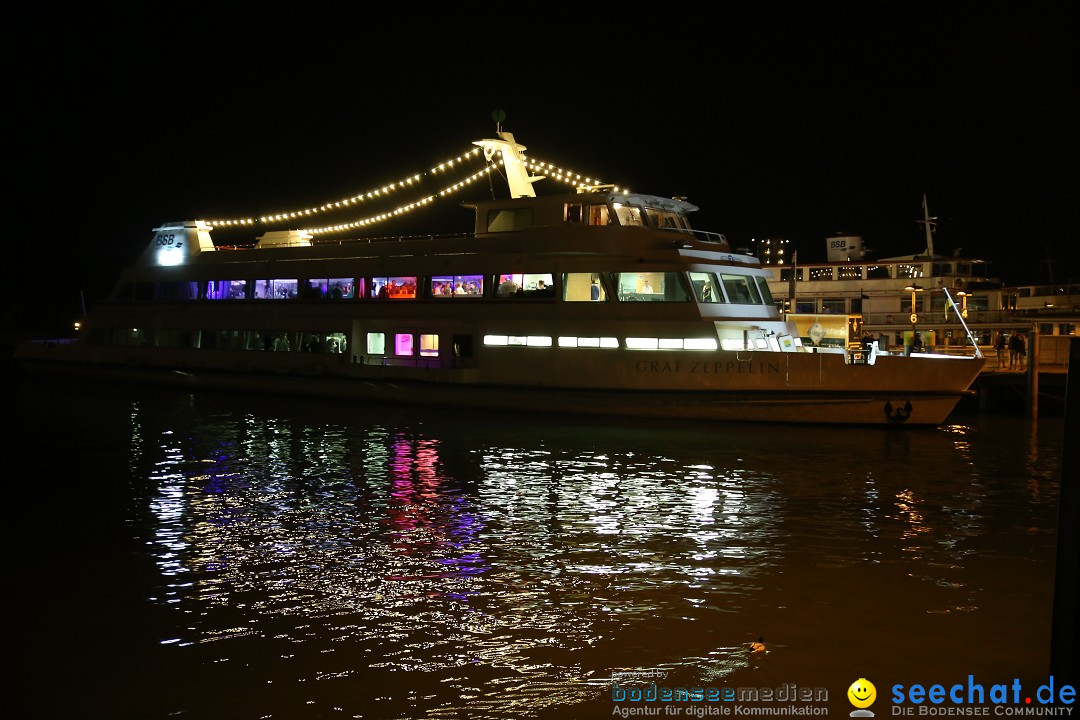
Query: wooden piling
point(1033, 371)
point(1063, 637)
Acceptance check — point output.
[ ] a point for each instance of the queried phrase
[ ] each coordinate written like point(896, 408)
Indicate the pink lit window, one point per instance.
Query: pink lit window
point(403, 344)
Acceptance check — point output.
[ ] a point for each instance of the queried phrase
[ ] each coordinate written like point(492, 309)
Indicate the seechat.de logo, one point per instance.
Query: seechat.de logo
point(862, 694)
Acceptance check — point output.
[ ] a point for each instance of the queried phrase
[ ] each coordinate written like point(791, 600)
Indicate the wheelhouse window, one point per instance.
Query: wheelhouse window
point(741, 289)
point(394, 288)
point(446, 286)
point(766, 293)
point(509, 219)
point(277, 289)
point(664, 219)
point(705, 289)
point(628, 214)
point(583, 287)
point(650, 286)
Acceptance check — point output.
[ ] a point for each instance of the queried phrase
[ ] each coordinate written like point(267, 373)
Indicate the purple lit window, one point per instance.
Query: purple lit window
point(226, 290)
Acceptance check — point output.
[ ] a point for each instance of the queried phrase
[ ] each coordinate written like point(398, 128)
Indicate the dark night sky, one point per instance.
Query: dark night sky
point(775, 125)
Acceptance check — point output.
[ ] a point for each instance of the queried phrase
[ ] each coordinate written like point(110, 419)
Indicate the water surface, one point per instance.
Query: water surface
point(217, 556)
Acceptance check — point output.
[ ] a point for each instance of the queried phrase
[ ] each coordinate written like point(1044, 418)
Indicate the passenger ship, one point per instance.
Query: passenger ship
point(599, 302)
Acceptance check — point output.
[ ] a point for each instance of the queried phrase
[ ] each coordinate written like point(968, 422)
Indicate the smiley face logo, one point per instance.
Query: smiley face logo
point(862, 693)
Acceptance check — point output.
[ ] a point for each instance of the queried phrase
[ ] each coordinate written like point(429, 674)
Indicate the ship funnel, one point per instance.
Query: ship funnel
point(178, 242)
point(845, 247)
point(517, 174)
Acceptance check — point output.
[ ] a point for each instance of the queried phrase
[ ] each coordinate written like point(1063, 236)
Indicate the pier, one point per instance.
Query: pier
point(1036, 386)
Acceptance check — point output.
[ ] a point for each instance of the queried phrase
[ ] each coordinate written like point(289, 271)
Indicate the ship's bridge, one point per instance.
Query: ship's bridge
point(590, 208)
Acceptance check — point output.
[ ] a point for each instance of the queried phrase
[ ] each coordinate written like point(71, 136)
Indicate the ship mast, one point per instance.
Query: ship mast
point(930, 225)
point(517, 174)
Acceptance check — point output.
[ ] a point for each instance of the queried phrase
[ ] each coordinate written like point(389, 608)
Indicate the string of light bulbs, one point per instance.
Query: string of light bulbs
point(547, 169)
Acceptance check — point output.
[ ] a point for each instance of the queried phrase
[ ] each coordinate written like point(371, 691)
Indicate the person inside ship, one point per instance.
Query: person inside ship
point(508, 288)
point(706, 292)
point(646, 287)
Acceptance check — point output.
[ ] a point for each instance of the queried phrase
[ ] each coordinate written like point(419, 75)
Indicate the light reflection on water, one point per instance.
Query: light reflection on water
point(311, 562)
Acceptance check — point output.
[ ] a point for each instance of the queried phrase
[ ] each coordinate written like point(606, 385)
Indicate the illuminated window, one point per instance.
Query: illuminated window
point(509, 285)
point(447, 286)
point(650, 286)
point(338, 288)
point(403, 344)
point(538, 285)
point(519, 340)
point(583, 287)
point(278, 289)
point(226, 290)
point(429, 345)
point(376, 343)
point(705, 288)
point(634, 343)
point(588, 342)
point(314, 289)
point(909, 271)
point(699, 343)
point(394, 288)
point(627, 214)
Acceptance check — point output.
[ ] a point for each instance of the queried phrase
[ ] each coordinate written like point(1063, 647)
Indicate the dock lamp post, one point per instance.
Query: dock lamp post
point(963, 303)
point(914, 289)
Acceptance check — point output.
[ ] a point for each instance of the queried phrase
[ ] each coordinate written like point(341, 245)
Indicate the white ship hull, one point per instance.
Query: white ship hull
point(804, 388)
